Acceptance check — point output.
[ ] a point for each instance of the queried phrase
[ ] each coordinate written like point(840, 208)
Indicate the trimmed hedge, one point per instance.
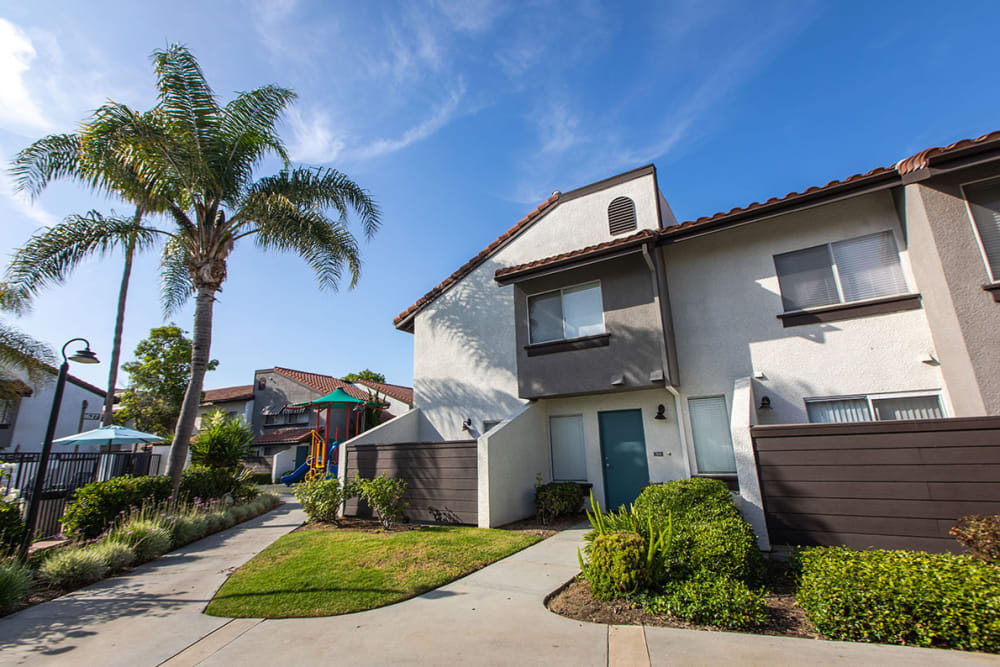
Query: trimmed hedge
point(96, 505)
point(698, 498)
point(707, 600)
point(901, 597)
point(557, 499)
point(617, 565)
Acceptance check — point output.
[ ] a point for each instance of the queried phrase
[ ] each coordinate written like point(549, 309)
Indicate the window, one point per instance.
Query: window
point(7, 411)
point(621, 215)
point(866, 267)
point(713, 441)
point(567, 313)
point(568, 460)
point(884, 407)
point(984, 204)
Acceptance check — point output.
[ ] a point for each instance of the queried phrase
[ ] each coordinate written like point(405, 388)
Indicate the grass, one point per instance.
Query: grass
point(328, 572)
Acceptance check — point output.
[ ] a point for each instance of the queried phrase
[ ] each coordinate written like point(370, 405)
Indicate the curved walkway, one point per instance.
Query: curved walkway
point(492, 617)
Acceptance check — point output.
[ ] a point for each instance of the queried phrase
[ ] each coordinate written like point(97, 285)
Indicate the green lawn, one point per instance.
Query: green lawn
point(327, 572)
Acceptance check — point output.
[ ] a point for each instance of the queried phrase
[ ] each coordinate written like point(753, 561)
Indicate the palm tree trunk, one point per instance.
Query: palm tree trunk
point(200, 351)
point(116, 345)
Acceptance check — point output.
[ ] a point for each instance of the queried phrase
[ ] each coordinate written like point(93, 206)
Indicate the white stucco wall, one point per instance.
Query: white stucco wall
point(464, 342)
point(33, 417)
point(725, 300)
point(511, 455)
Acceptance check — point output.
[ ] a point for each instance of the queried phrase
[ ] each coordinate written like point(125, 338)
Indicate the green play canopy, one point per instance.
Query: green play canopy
point(336, 397)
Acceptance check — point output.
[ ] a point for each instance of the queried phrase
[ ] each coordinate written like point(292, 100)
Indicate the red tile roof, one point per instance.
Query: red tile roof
point(243, 392)
point(282, 436)
point(566, 257)
point(922, 159)
point(321, 383)
point(404, 394)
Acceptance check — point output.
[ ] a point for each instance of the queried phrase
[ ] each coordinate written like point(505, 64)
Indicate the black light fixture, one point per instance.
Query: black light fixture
point(467, 425)
point(765, 403)
point(84, 356)
point(661, 409)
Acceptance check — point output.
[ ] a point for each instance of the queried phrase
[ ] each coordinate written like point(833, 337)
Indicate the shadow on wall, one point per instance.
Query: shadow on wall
point(454, 401)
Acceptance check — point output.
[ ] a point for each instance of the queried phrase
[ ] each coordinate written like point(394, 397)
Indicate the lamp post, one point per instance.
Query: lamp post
point(84, 356)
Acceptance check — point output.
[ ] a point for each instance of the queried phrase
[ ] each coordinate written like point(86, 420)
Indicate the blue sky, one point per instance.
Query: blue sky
point(461, 116)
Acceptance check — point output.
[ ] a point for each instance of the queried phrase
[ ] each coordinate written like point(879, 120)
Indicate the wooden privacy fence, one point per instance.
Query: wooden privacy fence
point(441, 478)
point(892, 485)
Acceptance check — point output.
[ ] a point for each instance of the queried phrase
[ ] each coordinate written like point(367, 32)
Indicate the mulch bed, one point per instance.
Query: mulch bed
point(533, 526)
point(360, 525)
point(575, 601)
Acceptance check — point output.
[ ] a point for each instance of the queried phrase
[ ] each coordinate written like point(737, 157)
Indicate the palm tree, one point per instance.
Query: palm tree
point(194, 160)
point(87, 158)
point(19, 351)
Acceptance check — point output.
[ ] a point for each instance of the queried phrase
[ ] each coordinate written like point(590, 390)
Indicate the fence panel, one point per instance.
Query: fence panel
point(892, 485)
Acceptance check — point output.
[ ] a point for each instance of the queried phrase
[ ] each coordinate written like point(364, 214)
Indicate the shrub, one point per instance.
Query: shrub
point(557, 499)
point(116, 555)
point(149, 537)
point(980, 535)
point(222, 442)
point(11, 524)
point(320, 498)
point(261, 478)
point(244, 488)
point(96, 505)
point(617, 565)
point(15, 582)
point(69, 568)
point(698, 498)
point(204, 482)
point(711, 600)
point(385, 496)
point(724, 547)
point(902, 597)
point(188, 527)
point(215, 521)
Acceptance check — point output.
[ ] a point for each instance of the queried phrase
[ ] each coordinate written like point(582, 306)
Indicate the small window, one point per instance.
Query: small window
point(984, 203)
point(621, 215)
point(874, 408)
point(866, 267)
point(262, 383)
point(569, 463)
point(713, 440)
point(568, 313)
point(7, 411)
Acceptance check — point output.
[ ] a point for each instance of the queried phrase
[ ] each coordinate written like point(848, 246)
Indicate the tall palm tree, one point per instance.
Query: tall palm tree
point(89, 159)
point(195, 161)
point(19, 351)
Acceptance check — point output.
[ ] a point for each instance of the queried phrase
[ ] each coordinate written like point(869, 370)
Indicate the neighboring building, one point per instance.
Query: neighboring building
point(24, 418)
point(398, 399)
point(598, 340)
point(233, 401)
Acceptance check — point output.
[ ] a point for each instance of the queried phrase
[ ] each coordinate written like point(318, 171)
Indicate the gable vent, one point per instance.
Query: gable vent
point(621, 215)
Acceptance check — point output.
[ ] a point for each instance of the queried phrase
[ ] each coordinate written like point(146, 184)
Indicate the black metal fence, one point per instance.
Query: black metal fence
point(65, 473)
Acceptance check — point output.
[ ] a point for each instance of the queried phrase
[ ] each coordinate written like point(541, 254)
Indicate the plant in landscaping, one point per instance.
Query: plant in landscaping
point(200, 481)
point(11, 523)
point(148, 536)
point(222, 442)
point(116, 555)
point(719, 601)
point(76, 566)
point(320, 498)
point(557, 499)
point(96, 505)
point(980, 535)
point(385, 496)
point(15, 582)
point(244, 486)
point(617, 565)
point(901, 597)
point(697, 498)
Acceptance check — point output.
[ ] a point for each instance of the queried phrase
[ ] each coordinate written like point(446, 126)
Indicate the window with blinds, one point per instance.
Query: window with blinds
point(569, 463)
point(874, 408)
point(856, 269)
point(984, 203)
point(713, 441)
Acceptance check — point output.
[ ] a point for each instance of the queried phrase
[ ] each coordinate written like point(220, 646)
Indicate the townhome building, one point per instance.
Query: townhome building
point(599, 340)
point(24, 412)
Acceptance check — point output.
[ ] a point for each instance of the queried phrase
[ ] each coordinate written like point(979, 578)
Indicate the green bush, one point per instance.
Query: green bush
point(980, 535)
point(215, 521)
point(261, 478)
point(711, 600)
point(385, 496)
point(15, 582)
point(149, 537)
point(188, 527)
point(244, 488)
point(320, 498)
point(902, 597)
point(97, 505)
point(557, 499)
point(617, 565)
point(222, 442)
point(76, 566)
point(698, 498)
point(116, 555)
point(724, 547)
point(11, 524)
point(204, 482)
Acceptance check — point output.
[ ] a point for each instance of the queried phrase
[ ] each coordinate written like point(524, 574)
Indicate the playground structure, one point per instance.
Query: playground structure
point(323, 451)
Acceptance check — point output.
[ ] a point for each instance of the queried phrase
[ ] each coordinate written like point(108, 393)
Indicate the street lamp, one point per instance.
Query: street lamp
point(84, 356)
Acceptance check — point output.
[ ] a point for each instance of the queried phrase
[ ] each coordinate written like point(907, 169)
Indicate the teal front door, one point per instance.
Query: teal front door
point(623, 452)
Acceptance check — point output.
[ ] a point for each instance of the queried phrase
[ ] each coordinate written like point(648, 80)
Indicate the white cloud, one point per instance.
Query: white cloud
point(557, 127)
point(471, 15)
point(313, 137)
point(18, 110)
point(21, 202)
point(441, 116)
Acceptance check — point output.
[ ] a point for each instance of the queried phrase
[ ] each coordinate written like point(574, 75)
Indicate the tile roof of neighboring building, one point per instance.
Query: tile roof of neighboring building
point(566, 257)
point(321, 383)
point(923, 159)
point(18, 386)
point(282, 436)
point(405, 394)
point(243, 392)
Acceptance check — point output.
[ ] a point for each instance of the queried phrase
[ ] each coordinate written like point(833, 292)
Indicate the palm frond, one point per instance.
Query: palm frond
point(51, 254)
point(176, 286)
point(248, 129)
point(21, 352)
point(50, 158)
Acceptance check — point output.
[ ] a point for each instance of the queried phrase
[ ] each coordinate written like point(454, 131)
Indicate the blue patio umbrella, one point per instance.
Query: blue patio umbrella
point(109, 435)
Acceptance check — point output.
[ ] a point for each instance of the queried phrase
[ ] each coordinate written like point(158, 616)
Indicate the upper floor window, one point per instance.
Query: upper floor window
point(984, 203)
point(621, 215)
point(566, 313)
point(853, 270)
point(883, 407)
point(7, 411)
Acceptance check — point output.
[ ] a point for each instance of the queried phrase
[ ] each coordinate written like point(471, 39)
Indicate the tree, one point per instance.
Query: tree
point(195, 161)
point(366, 374)
point(222, 442)
point(19, 352)
point(158, 378)
point(51, 254)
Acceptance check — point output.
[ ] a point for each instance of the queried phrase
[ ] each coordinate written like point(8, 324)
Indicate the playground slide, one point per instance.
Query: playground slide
point(297, 475)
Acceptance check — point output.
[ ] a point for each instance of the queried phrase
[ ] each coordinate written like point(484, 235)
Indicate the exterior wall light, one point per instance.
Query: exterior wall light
point(660, 412)
point(467, 425)
point(765, 403)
